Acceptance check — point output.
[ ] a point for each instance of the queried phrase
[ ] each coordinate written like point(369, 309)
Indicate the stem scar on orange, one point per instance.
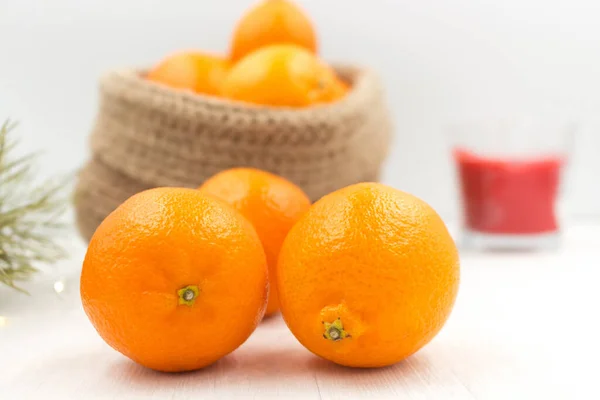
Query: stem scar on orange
point(271, 203)
point(368, 276)
point(174, 279)
point(272, 22)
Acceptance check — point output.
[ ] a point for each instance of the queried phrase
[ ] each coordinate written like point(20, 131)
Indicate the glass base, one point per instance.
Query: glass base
point(473, 240)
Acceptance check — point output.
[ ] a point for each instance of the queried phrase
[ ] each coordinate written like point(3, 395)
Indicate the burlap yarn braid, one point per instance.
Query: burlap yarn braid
point(146, 135)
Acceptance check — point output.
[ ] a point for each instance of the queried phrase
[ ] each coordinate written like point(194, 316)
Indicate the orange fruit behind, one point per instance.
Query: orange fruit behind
point(282, 75)
point(272, 203)
point(368, 276)
point(272, 22)
point(199, 72)
point(174, 279)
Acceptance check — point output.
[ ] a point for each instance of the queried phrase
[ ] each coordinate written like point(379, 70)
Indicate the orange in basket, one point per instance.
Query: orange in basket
point(283, 75)
point(272, 22)
point(200, 72)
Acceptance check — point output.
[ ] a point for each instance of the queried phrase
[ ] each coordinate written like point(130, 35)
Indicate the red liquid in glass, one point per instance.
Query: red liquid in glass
point(509, 197)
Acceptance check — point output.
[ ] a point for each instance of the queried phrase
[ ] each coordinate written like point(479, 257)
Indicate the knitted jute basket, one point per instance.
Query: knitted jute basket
point(147, 135)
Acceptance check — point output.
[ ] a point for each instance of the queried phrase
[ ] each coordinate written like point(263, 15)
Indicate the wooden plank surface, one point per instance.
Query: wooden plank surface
point(524, 326)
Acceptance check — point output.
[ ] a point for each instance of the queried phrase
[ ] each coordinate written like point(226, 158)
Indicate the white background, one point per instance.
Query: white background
point(440, 60)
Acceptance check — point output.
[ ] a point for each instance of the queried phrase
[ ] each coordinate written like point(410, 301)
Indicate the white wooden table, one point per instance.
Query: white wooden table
point(525, 326)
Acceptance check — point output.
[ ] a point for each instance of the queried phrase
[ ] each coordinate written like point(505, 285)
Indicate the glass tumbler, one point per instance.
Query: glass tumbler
point(510, 174)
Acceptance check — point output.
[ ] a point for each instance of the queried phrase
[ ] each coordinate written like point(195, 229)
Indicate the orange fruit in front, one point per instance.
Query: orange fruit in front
point(368, 276)
point(271, 203)
point(174, 279)
point(272, 22)
point(199, 72)
point(282, 75)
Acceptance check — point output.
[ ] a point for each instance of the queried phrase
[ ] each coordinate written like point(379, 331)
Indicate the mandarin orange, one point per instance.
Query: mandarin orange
point(174, 279)
point(282, 75)
point(199, 72)
point(272, 22)
point(271, 203)
point(368, 276)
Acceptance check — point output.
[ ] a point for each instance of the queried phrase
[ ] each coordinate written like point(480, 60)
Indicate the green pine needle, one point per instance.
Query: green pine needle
point(30, 215)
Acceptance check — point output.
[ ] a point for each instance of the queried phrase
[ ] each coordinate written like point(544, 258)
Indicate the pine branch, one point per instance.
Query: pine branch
point(29, 215)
